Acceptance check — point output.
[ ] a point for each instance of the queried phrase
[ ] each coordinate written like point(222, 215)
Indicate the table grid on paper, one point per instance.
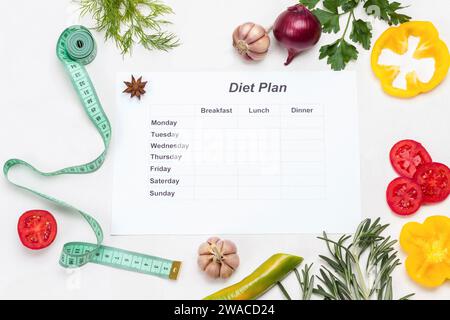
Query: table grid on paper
point(236, 152)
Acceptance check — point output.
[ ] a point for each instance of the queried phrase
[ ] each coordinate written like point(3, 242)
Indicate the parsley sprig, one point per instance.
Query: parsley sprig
point(131, 22)
point(333, 12)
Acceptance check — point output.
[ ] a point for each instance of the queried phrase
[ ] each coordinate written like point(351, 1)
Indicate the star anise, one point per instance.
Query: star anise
point(135, 87)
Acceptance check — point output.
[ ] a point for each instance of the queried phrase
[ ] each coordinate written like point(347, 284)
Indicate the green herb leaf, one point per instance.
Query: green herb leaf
point(328, 20)
point(284, 291)
point(131, 22)
point(333, 5)
point(339, 54)
point(397, 18)
point(343, 277)
point(349, 5)
point(386, 11)
point(347, 279)
point(310, 4)
point(306, 282)
point(407, 297)
point(362, 33)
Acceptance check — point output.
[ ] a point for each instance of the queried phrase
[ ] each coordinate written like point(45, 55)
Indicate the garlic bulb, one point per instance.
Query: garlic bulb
point(218, 258)
point(251, 41)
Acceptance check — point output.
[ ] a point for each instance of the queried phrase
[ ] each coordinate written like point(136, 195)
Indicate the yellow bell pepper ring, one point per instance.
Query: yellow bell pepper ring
point(428, 249)
point(430, 46)
point(273, 270)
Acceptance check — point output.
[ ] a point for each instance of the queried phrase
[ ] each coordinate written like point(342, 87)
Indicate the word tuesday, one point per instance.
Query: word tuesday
point(262, 87)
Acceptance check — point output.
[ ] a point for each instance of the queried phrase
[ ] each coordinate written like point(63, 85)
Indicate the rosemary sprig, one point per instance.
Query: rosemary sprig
point(306, 282)
point(357, 268)
point(347, 277)
point(284, 291)
point(131, 22)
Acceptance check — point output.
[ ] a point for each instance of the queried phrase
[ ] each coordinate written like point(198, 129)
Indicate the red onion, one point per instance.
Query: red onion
point(297, 29)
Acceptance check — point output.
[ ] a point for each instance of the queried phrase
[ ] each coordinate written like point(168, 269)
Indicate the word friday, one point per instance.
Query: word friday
point(262, 87)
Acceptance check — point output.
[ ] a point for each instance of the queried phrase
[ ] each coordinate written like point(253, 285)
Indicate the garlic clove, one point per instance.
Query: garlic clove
point(236, 36)
point(255, 34)
point(228, 247)
point(203, 261)
point(226, 271)
point(260, 46)
point(204, 249)
point(213, 270)
point(256, 56)
point(219, 245)
point(231, 260)
point(244, 30)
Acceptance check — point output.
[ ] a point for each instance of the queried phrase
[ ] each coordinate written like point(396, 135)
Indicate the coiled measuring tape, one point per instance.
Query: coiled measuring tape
point(76, 48)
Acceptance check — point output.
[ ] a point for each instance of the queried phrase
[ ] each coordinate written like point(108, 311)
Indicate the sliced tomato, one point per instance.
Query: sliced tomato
point(404, 196)
point(37, 229)
point(407, 155)
point(434, 180)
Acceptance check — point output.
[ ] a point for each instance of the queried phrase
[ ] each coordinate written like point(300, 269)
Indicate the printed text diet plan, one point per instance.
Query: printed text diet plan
point(238, 153)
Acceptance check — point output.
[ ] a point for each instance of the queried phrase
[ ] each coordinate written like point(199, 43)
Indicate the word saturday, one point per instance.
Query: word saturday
point(164, 181)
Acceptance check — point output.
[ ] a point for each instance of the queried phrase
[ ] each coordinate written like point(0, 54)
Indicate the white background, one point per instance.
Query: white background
point(42, 121)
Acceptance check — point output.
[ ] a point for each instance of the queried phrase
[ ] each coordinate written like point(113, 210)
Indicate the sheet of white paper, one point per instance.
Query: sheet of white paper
point(237, 153)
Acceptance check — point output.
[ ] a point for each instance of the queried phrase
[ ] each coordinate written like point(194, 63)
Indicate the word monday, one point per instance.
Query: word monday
point(263, 87)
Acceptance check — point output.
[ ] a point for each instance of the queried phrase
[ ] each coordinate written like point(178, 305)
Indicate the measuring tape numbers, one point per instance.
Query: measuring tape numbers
point(76, 48)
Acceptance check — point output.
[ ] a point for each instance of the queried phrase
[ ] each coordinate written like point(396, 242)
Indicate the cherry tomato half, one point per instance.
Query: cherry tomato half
point(37, 229)
point(407, 155)
point(434, 180)
point(404, 196)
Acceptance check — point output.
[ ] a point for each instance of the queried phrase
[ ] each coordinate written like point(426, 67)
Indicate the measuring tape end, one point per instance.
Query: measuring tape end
point(176, 266)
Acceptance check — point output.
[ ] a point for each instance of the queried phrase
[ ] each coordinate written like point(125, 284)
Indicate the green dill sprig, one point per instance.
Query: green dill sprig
point(342, 51)
point(131, 22)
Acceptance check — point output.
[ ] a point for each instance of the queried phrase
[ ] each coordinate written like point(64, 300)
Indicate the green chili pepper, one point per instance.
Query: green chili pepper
point(275, 269)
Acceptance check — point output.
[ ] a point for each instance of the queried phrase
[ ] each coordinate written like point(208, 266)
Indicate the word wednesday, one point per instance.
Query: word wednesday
point(262, 87)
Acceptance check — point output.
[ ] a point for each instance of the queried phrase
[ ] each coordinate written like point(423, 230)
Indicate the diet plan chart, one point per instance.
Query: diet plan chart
point(237, 154)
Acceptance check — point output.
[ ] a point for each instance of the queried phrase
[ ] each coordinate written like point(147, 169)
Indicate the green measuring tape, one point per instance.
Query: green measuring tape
point(76, 48)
